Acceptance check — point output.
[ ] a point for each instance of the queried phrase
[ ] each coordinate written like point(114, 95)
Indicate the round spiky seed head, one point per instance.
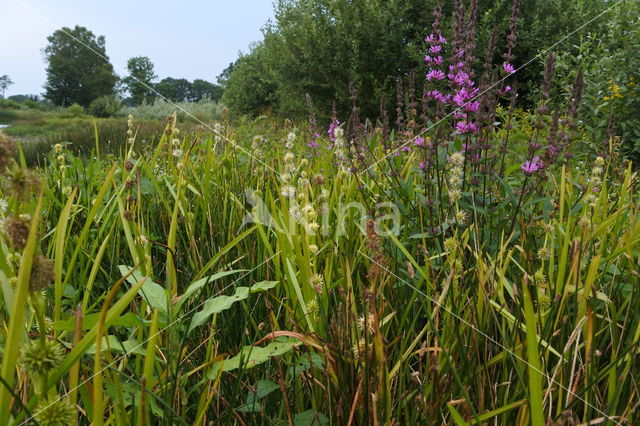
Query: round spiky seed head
point(544, 253)
point(42, 274)
point(40, 359)
point(55, 412)
point(16, 228)
point(450, 245)
point(22, 182)
point(48, 326)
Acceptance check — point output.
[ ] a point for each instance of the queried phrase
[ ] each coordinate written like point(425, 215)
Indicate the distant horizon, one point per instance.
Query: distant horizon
point(196, 41)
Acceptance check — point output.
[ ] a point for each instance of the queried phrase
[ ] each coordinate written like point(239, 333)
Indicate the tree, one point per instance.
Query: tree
point(78, 68)
point(251, 88)
point(139, 82)
point(224, 76)
point(174, 89)
point(5, 82)
point(201, 89)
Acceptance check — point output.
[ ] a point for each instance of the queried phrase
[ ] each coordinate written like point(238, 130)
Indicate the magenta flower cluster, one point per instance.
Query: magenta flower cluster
point(463, 90)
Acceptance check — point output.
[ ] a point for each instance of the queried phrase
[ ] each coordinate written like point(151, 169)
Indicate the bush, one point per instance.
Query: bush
point(611, 62)
point(105, 106)
point(75, 110)
point(7, 103)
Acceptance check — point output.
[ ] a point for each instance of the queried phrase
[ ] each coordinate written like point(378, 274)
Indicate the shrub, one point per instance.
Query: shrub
point(9, 104)
point(75, 110)
point(611, 64)
point(105, 106)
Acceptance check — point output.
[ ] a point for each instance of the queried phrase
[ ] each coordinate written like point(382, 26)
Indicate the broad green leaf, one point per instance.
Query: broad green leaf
point(113, 344)
point(220, 303)
point(127, 320)
point(263, 388)
point(153, 293)
point(250, 356)
point(310, 418)
point(197, 285)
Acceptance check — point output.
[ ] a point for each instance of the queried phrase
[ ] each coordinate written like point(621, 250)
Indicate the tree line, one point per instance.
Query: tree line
point(79, 72)
point(317, 49)
point(321, 47)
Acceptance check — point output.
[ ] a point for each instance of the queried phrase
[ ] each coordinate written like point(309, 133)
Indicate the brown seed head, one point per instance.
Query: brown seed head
point(42, 274)
point(16, 229)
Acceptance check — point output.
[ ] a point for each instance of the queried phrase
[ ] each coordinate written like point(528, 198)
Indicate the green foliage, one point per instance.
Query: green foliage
point(78, 68)
point(105, 106)
point(75, 110)
point(610, 59)
point(174, 89)
point(140, 80)
point(205, 111)
point(202, 89)
point(318, 47)
point(251, 87)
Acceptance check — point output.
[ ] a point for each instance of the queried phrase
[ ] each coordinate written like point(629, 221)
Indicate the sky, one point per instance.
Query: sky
point(184, 39)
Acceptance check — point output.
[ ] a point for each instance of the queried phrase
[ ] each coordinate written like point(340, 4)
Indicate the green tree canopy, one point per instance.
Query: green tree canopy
point(201, 89)
point(139, 82)
point(174, 89)
point(78, 68)
point(318, 47)
point(250, 87)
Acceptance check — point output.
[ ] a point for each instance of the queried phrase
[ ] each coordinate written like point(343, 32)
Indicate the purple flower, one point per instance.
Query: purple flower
point(465, 127)
point(508, 68)
point(418, 141)
point(405, 149)
point(530, 167)
point(435, 49)
point(437, 60)
point(436, 94)
point(472, 106)
point(436, 40)
point(505, 90)
point(435, 75)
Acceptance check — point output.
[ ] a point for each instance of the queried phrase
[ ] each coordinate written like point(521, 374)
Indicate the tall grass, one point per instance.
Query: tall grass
point(186, 287)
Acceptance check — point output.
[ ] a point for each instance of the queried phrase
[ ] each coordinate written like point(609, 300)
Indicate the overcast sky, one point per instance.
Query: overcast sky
point(184, 39)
